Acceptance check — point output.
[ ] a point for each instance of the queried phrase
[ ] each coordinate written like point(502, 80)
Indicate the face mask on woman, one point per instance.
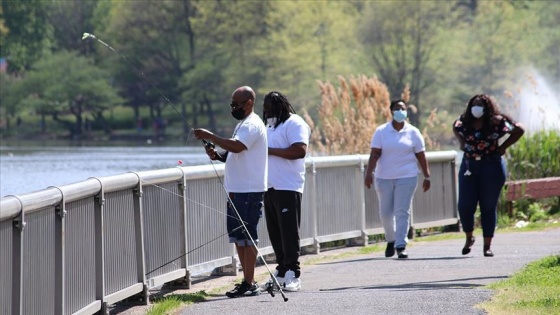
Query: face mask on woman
point(399, 115)
point(477, 111)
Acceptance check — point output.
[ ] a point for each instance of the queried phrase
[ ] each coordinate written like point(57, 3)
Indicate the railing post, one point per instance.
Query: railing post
point(184, 232)
point(312, 191)
point(60, 254)
point(363, 239)
point(100, 251)
point(17, 280)
point(139, 236)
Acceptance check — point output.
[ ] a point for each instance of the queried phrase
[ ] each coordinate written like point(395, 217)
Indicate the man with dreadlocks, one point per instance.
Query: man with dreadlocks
point(288, 137)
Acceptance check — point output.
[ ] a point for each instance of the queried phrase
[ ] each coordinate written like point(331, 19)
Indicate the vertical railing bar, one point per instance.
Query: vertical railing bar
point(60, 254)
point(314, 201)
point(362, 197)
point(139, 238)
point(100, 250)
point(184, 233)
point(17, 263)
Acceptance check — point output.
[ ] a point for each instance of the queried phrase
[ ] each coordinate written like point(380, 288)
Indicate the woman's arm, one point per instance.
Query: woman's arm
point(372, 162)
point(514, 136)
point(460, 139)
point(421, 157)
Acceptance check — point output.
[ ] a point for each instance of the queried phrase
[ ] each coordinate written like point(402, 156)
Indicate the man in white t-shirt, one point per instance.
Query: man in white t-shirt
point(288, 137)
point(245, 181)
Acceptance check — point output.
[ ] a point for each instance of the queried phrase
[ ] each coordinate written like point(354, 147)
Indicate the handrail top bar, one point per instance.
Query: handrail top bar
point(10, 206)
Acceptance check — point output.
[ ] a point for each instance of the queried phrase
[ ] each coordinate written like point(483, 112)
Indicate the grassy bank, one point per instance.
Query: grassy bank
point(533, 290)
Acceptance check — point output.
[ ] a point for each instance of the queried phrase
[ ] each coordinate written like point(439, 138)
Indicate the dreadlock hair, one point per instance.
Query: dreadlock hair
point(280, 107)
point(491, 110)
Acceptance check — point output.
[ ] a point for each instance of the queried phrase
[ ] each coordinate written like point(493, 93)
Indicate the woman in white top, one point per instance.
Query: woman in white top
point(396, 147)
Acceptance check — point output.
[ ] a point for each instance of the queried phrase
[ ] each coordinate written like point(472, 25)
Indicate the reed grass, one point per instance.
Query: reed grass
point(350, 112)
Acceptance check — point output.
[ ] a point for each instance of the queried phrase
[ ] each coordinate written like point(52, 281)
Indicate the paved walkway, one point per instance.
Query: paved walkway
point(436, 279)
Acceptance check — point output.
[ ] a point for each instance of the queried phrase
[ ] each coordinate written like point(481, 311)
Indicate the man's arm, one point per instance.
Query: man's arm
point(295, 151)
point(228, 144)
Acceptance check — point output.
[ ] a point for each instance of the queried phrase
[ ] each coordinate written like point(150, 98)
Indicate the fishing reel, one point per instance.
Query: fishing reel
point(208, 144)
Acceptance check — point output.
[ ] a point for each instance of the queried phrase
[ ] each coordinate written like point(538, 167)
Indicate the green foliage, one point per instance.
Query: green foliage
point(402, 41)
point(197, 52)
point(27, 35)
point(535, 156)
point(536, 212)
point(67, 82)
point(533, 290)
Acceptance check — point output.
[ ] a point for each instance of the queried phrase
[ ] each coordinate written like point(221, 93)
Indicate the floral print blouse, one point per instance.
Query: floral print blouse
point(479, 145)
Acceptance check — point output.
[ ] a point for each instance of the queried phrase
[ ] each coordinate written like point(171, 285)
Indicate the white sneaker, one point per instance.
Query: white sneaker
point(271, 282)
point(291, 283)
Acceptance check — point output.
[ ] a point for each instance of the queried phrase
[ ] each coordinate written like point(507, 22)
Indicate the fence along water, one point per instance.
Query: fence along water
point(76, 249)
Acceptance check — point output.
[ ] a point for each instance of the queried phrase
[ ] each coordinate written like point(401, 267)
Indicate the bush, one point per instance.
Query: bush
point(535, 156)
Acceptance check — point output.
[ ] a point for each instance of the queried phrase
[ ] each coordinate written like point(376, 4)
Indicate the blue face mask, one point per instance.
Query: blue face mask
point(399, 115)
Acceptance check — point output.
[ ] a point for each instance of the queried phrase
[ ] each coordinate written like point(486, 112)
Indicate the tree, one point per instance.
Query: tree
point(153, 39)
point(402, 41)
point(69, 20)
point(8, 102)
point(68, 83)
point(26, 35)
point(309, 41)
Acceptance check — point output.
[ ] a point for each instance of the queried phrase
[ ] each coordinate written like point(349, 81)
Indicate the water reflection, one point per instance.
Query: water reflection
point(27, 169)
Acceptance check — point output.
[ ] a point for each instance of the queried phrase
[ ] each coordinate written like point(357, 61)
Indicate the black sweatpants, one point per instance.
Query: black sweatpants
point(282, 210)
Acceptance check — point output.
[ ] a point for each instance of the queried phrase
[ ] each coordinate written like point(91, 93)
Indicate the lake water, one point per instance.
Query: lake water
point(25, 169)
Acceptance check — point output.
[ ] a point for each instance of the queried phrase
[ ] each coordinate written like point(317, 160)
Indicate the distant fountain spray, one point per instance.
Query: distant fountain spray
point(539, 107)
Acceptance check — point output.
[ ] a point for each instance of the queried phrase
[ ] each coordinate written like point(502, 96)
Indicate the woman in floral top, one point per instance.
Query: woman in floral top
point(482, 173)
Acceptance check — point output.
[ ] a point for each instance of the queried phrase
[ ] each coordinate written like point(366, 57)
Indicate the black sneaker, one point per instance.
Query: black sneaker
point(390, 250)
point(243, 289)
point(401, 253)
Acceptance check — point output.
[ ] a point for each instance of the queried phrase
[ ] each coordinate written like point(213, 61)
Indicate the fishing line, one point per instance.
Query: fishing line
point(139, 73)
point(246, 231)
point(188, 199)
point(192, 250)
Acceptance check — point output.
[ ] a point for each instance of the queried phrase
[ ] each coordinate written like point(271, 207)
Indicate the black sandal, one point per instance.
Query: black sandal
point(468, 245)
point(487, 251)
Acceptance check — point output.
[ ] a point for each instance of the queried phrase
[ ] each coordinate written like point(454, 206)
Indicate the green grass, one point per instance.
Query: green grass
point(167, 304)
point(533, 290)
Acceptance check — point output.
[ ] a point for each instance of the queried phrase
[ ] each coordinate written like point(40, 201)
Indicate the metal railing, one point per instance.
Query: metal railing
point(76, 249)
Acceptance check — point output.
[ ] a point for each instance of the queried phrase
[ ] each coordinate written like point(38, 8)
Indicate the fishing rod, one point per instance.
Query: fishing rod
point(270, 289)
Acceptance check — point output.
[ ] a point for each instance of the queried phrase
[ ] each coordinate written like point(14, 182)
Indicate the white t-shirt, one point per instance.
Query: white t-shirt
point(247, 170)
point(285, 174)
point(398, 151)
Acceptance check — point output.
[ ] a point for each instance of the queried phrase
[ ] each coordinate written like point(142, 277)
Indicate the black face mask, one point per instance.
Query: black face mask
point(238, 113)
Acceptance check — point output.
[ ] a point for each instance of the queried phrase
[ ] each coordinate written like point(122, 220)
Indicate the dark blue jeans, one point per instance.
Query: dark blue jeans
point(482, 187)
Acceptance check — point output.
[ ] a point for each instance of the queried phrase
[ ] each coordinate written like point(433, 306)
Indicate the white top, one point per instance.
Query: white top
point(398, 151)
point(246, 171)
point(285, 174)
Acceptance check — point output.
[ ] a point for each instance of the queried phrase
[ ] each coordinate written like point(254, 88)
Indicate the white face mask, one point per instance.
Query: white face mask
point(270, 122)
point(477, 111)
point(399, 115)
